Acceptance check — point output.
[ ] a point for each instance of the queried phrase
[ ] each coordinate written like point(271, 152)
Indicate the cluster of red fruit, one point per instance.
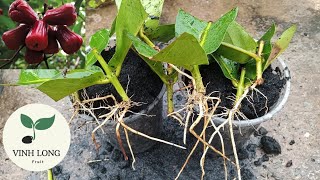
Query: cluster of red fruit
point(41, 36)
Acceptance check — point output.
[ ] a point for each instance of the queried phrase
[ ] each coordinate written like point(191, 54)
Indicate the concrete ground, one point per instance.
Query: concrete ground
point(298, 121)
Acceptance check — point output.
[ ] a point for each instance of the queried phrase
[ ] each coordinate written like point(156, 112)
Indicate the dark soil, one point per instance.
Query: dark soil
point(144, 85)
point(160, 162)
point(270, 145)
point(273, 83)
point(261, 132)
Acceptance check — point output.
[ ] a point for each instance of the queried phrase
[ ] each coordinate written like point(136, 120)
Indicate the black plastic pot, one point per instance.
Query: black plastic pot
point(150, 125)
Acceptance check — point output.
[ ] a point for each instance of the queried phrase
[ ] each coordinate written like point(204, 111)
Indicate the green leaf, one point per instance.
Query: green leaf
point(98, 41)
point(130, 17)
point(44, 123)
point(26, 121)
point(143, 48)
point(36, 76)
point(267, 42)
point(213, 36)
point(185, 22)
point(236, 36)
point(74, 81)
point(251, 71)
point(281, 44)
point(229, 68)
point(184, 51)
point(163, 33)
point(154, 10)
point(113, 27)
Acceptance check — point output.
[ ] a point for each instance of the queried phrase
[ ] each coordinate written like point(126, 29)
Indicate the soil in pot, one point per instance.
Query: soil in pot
point(142, 83)
point(214, 80)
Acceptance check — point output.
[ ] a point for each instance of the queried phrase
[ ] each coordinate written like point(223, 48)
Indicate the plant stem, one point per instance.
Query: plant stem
point(253, 55)
point(145, 38)
point(111, 76)
point(50, 175)
point(170, 98)
point(169, 83)
point(259, 64)
point(240, 88)
point(195, 72)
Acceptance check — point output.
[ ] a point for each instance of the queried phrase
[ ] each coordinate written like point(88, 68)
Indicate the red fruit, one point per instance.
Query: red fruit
point(14, 38)
point(37, 39)
point(53, 46)
point(33, 57)
point(21, 12)
point(69, 41)
point(1, 12)
point(64, 15)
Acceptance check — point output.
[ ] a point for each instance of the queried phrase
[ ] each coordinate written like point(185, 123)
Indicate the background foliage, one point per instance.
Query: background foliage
point(58, 61)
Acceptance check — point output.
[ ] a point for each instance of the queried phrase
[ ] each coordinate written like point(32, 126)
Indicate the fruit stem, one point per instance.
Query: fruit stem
point(111, 76)
point(12, 58)
point(146, 39)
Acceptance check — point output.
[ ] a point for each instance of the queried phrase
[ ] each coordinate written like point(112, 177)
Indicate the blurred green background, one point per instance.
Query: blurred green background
point(57, 61)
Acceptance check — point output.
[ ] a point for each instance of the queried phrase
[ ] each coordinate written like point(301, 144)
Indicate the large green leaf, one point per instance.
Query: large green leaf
point(184, 51)
point(130, 18)
point(237, 37)
point(162, 33)
point(281, 44)
point(74, 81)
point(213, 36)
point(229, 68)
point(185, 22)
point(36, 76)
point(44, 123)
point(267, 42)
point(98, 41)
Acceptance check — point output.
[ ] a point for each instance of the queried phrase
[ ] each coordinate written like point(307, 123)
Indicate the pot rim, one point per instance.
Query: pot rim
point(277, 107)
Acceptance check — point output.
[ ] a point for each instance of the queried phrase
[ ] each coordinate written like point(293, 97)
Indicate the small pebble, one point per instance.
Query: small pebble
point(292, 142)
point(261, 132)
point(103, 170)
point(270, 145)
point(289, 163)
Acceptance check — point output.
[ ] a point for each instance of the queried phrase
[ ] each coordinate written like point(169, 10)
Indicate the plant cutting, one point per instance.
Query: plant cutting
point(41, 33)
